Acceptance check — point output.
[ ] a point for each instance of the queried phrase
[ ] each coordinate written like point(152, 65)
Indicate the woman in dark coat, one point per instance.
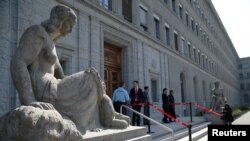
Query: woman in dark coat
point(227, 115)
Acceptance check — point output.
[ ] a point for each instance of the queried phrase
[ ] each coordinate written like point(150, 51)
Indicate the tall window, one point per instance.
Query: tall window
point(203, 61)
point(241, 76)
point(176, 41)
point(248, 86)
point(242, 86)
point(107, 4)
point(192, 24)
point(154, 93)
point(199, 57)
point(173, 6)
point(183, 98)
point(157, 27)
point(182, 46)
point(143, 18)
point(204, 92)
point(189, 51)
point(187, 19)
point(127, 10)
point(200, 33)
point(195, 58)
point(180, 12)
point(197, 29)
point(240, 66)
point(167, 35)
point(195, 89)
point(182, 80)
point(246, 98)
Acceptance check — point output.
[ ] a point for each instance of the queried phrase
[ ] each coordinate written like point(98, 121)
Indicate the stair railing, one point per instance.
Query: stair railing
point(152, 120)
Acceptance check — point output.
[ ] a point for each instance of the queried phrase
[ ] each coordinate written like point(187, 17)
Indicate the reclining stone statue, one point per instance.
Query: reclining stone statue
point(218, 98)
point(40, 81)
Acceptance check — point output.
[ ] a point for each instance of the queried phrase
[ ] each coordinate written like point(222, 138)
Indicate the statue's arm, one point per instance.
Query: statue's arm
point(58, 70)
point(29, 48)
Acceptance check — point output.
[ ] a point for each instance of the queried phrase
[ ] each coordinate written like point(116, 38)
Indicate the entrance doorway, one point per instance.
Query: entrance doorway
point(112, 67)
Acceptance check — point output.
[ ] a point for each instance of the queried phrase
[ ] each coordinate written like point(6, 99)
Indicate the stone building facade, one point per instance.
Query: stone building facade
point(244, 76)
point(177, 44)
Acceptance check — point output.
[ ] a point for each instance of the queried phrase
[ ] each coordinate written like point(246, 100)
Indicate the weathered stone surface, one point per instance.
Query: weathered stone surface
point(37, 122)
point(38, 77)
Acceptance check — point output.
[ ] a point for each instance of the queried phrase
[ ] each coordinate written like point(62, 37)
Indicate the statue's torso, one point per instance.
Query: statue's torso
point(42, 68)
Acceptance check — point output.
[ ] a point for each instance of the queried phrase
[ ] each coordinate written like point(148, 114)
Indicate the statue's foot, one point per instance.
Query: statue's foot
point(122, 117)
point(96, 130)
point(119, 124)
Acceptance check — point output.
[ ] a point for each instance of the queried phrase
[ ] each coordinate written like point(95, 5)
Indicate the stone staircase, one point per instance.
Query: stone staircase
point(199, 132)
point(132, 133)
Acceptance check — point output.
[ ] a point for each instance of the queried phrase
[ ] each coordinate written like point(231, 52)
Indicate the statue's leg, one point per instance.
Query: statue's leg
point(108, 115)
point(78, 97)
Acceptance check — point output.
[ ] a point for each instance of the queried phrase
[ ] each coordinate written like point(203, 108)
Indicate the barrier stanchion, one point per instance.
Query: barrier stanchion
point(190, 132)
point(190, 108)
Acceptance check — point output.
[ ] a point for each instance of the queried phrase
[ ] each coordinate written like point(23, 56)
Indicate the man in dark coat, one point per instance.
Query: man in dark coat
point(136, 99)
point(146, 106)
point(171, 102)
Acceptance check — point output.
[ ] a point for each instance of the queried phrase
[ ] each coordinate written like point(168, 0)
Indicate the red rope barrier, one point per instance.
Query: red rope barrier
point(168, 115)
point(207, 110)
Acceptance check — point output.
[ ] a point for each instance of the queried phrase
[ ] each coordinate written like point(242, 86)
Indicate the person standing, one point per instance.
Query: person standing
point(227, 115)
point(120, 97)
point(171, 106)
point(146, 106)
point(136, 99)
point(165, 104)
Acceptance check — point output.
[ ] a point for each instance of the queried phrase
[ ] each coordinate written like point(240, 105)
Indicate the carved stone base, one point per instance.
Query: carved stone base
point(213, 119)
point(41, 122)
point(132, 132)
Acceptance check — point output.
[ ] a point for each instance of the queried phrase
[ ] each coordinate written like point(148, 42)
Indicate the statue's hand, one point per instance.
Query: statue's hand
point(43, 105)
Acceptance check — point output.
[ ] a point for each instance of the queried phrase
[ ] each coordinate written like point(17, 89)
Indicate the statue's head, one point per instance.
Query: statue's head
point(217, 84)
point(62, 18)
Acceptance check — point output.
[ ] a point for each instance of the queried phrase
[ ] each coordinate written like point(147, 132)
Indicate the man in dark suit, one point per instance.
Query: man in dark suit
point(136, 97)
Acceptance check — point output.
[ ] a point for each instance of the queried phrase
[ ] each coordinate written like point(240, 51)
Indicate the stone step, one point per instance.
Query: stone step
point(205, 138)
point(160, 132)
point(195, 136)
point(183, 133)
point(131, 133)
point(142, 138)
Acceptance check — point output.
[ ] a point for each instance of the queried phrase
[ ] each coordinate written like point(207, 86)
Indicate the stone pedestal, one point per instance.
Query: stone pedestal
point(213, 119)
point(131, 133)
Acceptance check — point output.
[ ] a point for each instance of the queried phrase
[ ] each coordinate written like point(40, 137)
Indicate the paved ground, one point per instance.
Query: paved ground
point(243, 120)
